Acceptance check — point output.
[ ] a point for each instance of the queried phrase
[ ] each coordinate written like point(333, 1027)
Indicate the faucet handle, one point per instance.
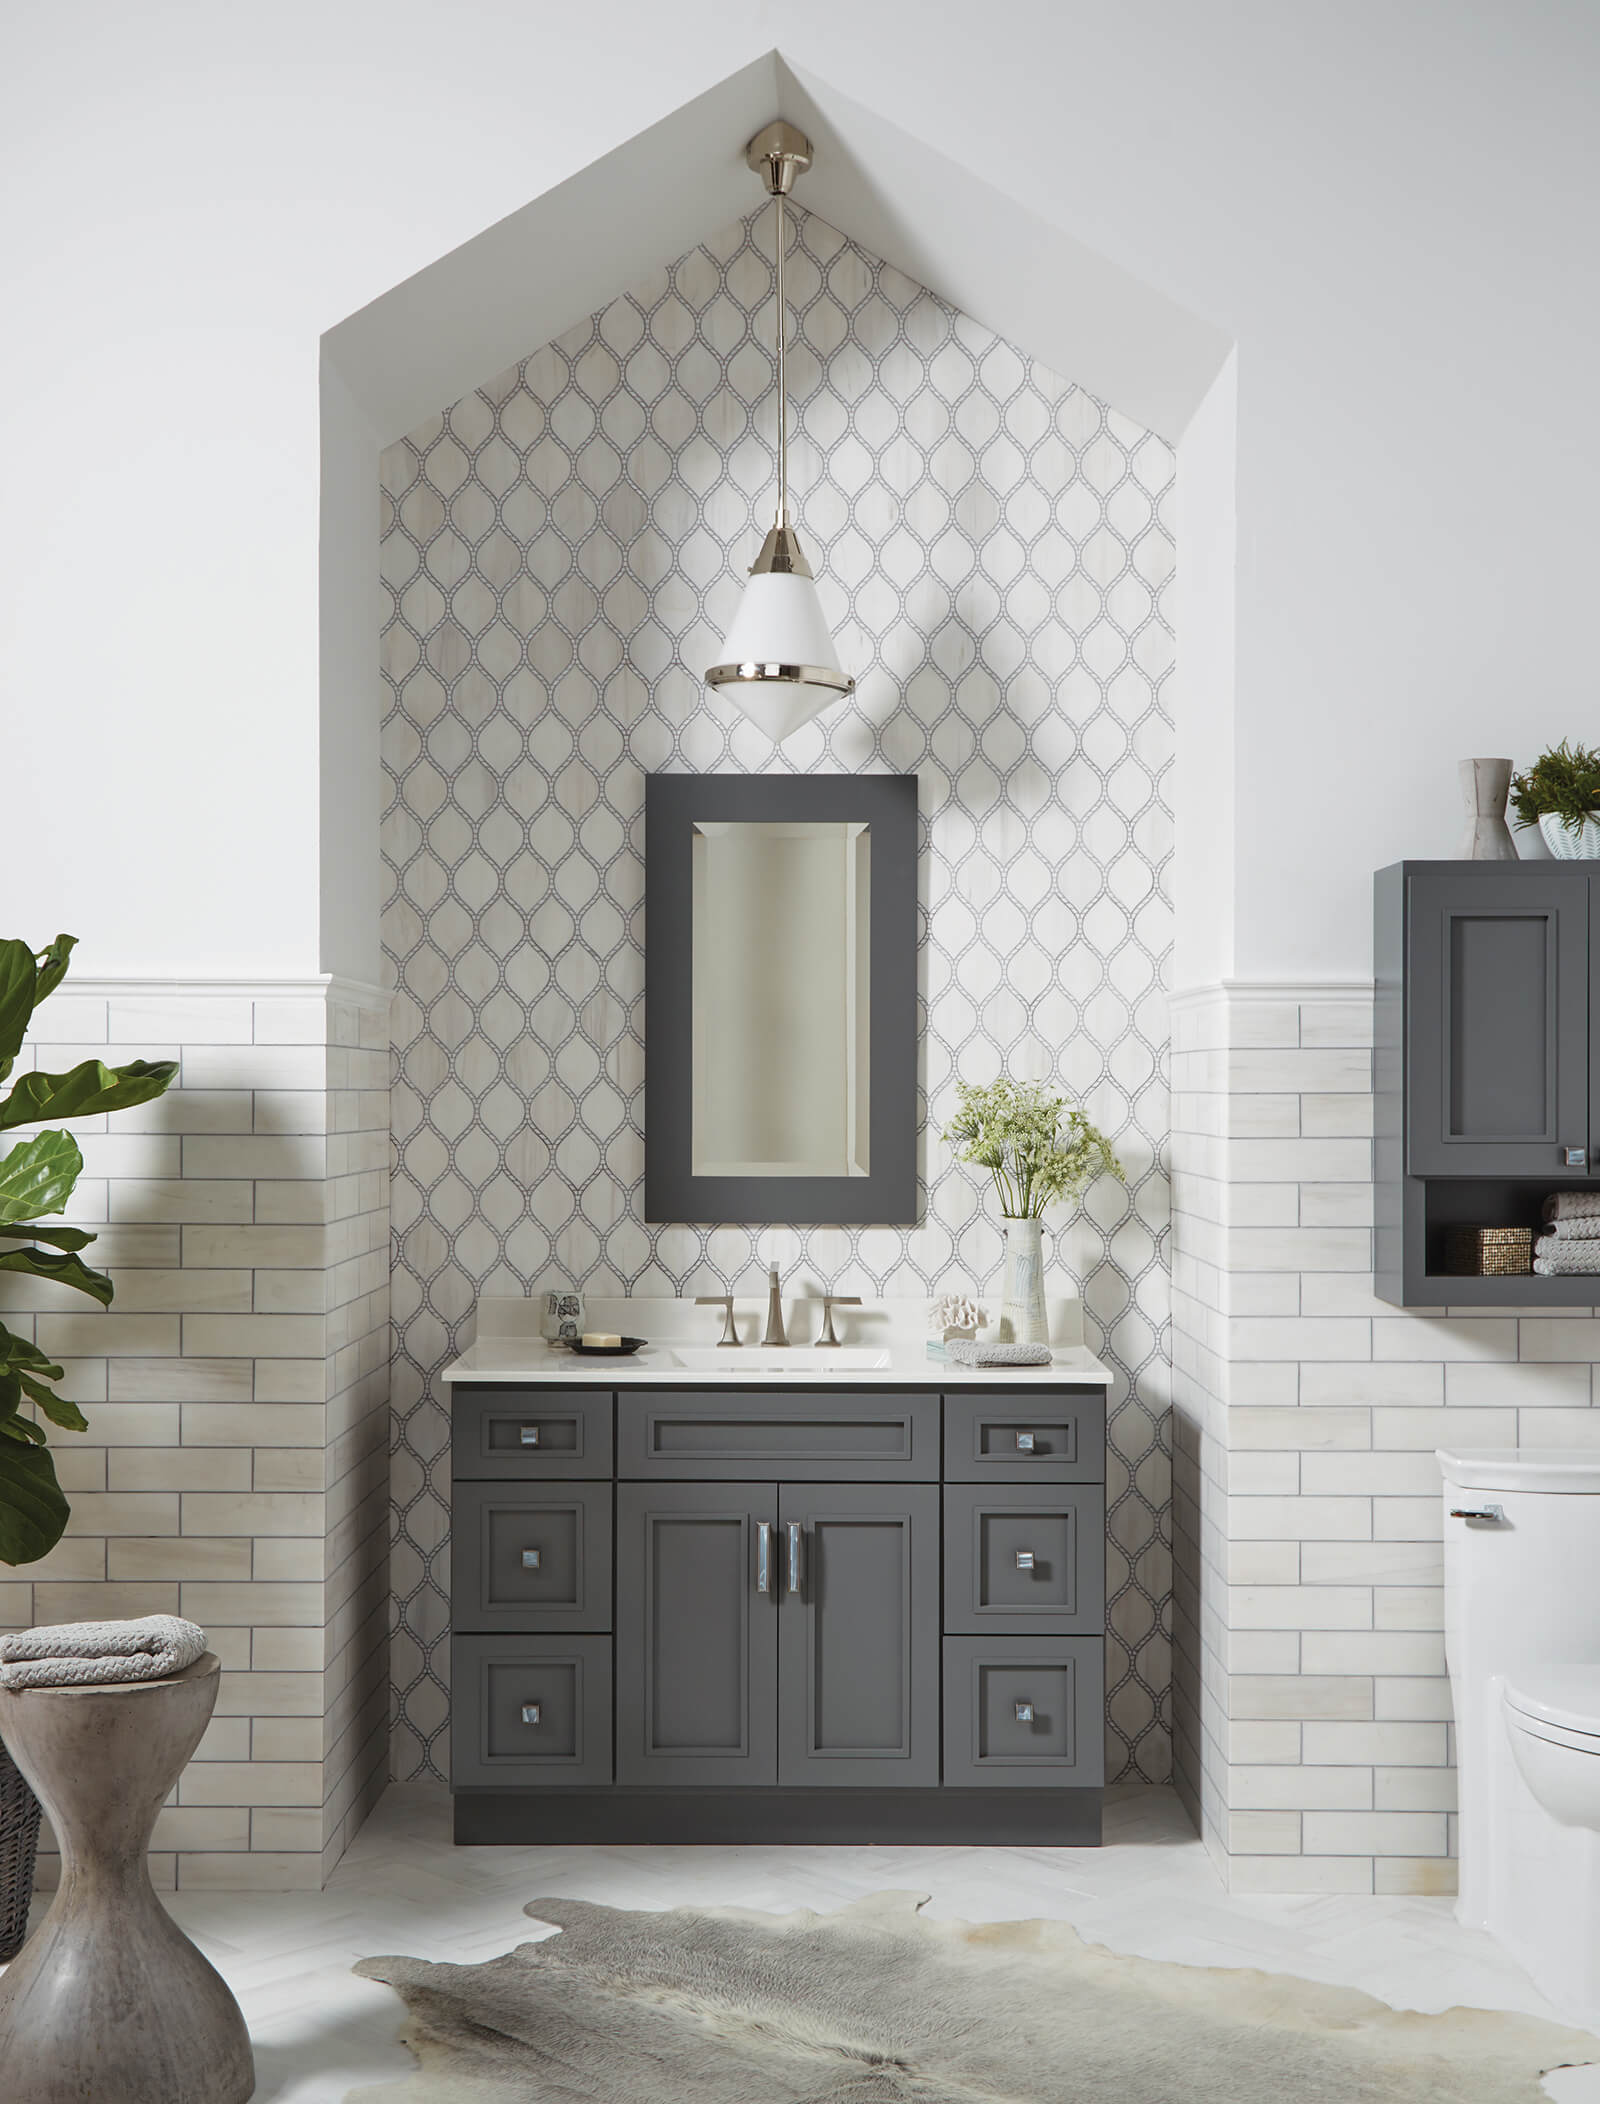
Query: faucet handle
point(724, 1301)
point(830, 1301)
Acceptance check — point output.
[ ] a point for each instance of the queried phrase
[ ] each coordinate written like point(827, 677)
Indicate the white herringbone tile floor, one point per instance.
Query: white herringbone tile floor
point(320, 2032)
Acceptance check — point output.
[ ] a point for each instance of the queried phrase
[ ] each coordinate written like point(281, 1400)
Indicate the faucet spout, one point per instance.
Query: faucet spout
point(775, 1330)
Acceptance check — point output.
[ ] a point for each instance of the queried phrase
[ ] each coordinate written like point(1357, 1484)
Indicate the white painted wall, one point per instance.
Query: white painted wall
point(1390, 209)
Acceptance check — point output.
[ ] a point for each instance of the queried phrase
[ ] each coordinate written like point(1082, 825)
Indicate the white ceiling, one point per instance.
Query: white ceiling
point(527, 279)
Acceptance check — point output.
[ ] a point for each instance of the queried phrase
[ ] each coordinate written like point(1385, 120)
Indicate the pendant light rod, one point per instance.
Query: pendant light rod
point(778, 154)
point(783, 384)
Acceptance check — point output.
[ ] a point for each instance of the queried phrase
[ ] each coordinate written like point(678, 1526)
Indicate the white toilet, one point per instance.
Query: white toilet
point(1522, 1641)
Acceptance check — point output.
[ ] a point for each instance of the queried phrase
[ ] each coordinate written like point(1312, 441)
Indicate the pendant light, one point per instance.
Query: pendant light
point(778, 661)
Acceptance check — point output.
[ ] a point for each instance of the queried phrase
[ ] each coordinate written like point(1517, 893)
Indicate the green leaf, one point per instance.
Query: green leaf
point(53, 966)
point(19, 978)
point(22, 1352)
point(56, 1407)
point(66, 1270)
point(37, 1176)
point(33, 1513)
point(57, 1237)
point(23, 1429)
point(84, 1091)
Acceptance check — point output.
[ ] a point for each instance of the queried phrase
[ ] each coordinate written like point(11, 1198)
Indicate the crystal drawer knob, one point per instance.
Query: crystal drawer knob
point(1024, 1442)
point(1024, 1712)
point(530, 1559)
point(1576, 1157)
point(1024, 1559)
point(530, 1435)
point(531, 1713)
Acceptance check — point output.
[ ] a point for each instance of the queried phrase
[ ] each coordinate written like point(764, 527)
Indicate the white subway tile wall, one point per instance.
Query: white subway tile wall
point(562, 549)
point(235, 1469)
point(1312, 1721)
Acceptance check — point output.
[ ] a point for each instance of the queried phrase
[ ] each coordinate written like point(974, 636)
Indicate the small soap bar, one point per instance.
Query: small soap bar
point(601, 1340)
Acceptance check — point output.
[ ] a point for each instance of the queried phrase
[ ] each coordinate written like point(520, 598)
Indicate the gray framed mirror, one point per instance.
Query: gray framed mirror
point(781, 998)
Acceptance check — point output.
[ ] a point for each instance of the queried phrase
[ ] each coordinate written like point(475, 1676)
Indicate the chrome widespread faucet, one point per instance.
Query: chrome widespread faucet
point(776, 1334)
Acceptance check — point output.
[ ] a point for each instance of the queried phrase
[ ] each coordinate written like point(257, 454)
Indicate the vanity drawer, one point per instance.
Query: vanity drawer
point(529, 1709)
point(504, 1431)
point(1025, 1557)
point(734, 1436)
point(1021, 1712)
point(1014, 1436)
point(531, 1556)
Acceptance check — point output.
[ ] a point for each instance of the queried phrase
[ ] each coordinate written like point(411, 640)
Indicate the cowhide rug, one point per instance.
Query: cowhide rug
point(879, 2005)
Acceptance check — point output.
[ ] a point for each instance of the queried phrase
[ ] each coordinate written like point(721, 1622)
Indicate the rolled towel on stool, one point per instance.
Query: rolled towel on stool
point(961, 1353)
point(96, 1654)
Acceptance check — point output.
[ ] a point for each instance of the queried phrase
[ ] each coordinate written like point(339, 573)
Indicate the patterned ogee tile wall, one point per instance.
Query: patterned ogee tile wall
point(1309, 1608)
point(235, 1467)
point(562, 549)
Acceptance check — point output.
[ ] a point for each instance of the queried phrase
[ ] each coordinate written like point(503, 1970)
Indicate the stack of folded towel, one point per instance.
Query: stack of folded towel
point(92, 1654)
point(1572, 1244)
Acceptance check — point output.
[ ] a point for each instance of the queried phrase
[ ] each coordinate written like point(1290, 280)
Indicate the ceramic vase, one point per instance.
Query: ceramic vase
point(1566, 846)
point(1022, 1315)
point(1485, 785)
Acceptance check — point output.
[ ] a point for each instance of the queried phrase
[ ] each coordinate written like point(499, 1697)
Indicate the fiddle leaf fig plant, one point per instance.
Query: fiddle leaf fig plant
point(37, 1177)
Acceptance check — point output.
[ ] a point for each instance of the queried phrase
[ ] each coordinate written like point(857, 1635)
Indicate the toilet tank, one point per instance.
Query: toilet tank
point(1520, 1589)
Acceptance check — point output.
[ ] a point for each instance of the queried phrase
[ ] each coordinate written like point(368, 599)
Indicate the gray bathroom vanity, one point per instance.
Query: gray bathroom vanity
point(739, 1604)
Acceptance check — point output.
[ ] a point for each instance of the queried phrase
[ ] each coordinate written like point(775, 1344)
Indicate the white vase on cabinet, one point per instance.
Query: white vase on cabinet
point(1022, 1311)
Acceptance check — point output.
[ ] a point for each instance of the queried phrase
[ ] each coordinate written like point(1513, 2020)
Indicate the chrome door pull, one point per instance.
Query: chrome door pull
point(1493, 1513)
point(1024, 1712)
point(796, 1559)
point(1024, 1442)
point(531, 1713)
point(1024, 1559)
point(530, 1559)
point(530, 1435)
point(764, 1556)
point(1576, 1157)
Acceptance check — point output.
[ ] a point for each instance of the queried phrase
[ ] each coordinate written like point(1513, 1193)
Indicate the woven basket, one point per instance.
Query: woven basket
point(19, 1846)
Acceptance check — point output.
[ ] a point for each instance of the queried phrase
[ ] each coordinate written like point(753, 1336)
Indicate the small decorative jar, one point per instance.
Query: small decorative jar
point(561, 1324)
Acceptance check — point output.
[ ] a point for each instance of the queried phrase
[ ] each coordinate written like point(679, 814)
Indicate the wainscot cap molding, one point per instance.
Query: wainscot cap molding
point(324, 986)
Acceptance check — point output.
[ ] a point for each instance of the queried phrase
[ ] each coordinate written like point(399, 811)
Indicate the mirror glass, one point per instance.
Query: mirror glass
point(781, 972)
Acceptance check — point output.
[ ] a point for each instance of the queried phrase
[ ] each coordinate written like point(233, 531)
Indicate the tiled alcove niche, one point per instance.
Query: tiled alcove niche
point(562, 550)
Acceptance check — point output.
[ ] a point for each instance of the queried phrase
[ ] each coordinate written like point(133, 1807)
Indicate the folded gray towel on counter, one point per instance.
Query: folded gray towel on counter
point(960, 1353)
point(89, 1654)
point(1572, 1205)
point(1553, 1258)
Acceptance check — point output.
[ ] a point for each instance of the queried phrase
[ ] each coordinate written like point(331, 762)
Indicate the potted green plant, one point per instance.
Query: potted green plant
point(1040, 1151)
point(37, 1177)
point(1560, 794)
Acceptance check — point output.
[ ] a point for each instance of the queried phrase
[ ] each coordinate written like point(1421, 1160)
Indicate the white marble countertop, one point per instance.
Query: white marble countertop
point(892, 1335)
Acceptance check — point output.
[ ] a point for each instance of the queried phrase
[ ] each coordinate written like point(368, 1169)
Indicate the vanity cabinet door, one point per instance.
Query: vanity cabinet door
point(858, 1697)
point(697, 1637)
point(1497, 1019)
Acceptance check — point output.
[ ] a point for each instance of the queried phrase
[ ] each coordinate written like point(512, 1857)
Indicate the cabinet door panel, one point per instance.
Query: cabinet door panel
point(1497, 1017)
point(858, 1699)
point(697, 1644)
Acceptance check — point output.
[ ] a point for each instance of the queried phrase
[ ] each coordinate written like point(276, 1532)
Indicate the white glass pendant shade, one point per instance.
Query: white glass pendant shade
point(778, 662)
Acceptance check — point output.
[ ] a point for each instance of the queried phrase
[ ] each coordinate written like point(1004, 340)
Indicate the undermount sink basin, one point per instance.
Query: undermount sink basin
point(800, 1359)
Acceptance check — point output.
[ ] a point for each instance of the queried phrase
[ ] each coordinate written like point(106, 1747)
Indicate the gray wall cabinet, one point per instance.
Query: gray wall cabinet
point(1484, 1008)
point(778, 1614)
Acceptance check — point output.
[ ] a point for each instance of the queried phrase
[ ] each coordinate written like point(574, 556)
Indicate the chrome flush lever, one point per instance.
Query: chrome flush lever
point(1494, 1514)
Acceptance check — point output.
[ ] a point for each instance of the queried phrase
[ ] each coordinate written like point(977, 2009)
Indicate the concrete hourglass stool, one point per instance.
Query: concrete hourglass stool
point(108, 1998)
